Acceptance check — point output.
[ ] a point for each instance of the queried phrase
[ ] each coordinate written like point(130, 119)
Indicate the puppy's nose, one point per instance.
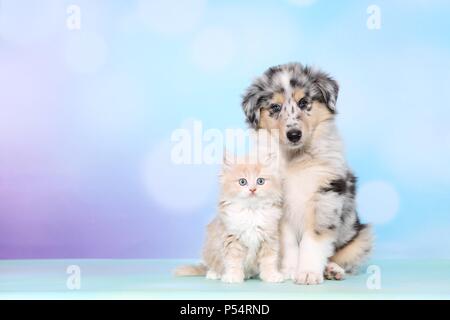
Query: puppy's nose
point(294, 135)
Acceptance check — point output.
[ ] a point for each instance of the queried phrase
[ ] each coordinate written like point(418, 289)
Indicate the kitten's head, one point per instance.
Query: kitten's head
point(251, 180)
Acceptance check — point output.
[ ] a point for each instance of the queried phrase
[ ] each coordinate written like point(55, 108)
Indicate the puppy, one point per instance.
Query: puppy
point(320, 229)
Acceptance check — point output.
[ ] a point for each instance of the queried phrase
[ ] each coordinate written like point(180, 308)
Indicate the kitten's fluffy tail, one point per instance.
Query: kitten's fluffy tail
point(191, 270)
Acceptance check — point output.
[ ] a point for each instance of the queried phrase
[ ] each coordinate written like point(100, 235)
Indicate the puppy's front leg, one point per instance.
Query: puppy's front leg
point(313, 256)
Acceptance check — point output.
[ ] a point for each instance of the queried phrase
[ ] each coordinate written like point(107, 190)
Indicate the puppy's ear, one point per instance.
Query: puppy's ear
point(252, 101)
point(327, 90)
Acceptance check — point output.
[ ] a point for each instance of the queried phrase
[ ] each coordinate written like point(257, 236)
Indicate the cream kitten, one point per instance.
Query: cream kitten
point(243, 239)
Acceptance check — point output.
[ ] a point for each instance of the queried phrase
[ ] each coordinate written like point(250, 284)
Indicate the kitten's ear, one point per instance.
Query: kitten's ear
point(274, 161)
point(270, 159)
point(228, 161)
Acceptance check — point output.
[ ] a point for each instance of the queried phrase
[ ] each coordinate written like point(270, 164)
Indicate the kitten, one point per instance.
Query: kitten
point(243, 239)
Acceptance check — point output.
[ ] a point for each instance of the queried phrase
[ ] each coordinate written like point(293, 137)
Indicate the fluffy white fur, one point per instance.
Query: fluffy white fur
point(243, 239)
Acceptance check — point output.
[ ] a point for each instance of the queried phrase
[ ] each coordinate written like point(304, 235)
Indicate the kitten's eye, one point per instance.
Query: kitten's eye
point(275, 108)
point(243, 182)
point(303, 103)
point(261, 181)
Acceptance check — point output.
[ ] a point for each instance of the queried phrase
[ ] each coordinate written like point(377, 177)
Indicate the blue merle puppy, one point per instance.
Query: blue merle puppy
point(320, 230)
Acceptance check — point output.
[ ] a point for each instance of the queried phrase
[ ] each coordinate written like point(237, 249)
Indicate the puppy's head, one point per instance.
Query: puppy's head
point(292, 99)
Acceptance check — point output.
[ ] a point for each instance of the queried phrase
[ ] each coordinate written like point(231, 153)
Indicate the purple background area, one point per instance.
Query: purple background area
point(86, 117)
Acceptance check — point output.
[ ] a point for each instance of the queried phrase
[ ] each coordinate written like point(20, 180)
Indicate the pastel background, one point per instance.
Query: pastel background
point(86, 116)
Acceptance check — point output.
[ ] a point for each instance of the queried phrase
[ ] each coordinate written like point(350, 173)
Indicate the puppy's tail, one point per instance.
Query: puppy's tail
point(355, 252)
point(191, 270)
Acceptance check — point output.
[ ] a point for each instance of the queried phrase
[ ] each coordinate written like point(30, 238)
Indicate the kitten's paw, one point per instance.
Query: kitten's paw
point(288, 273)
point(233, 277)
point(334, 272)
point(308, 278)
point(273, 276)
point(212, 275)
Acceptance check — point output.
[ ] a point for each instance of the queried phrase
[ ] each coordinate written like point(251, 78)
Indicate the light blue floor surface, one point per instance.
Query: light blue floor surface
point(152, 279)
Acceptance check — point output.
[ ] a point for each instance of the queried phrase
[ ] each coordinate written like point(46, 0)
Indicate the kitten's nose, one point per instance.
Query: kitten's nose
point(253, 190)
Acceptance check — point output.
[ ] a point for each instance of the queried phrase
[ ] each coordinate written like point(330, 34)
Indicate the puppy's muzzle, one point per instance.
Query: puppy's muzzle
point(294, 136)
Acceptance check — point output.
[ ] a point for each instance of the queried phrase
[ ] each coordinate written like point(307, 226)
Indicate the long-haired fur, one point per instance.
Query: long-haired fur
point(321, 231)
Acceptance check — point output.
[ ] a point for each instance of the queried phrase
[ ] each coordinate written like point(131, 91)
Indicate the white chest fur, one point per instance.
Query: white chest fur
point(302, 180)
point(250, 224)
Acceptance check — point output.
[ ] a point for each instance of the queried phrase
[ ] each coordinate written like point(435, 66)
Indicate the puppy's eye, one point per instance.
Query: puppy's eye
point(275, 108)
point(303, 103)
point(261, 181)
point(243, 182)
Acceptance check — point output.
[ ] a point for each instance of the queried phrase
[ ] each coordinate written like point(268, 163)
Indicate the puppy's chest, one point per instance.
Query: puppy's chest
point(300, 186)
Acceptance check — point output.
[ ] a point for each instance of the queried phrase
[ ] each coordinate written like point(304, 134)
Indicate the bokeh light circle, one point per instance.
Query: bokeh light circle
point(378, 202)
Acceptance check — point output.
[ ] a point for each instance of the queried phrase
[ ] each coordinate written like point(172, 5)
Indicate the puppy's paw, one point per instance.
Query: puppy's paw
point(308, 278)
point(334, 272)
point(273, 276)
point(233, 277)
point(212, 275)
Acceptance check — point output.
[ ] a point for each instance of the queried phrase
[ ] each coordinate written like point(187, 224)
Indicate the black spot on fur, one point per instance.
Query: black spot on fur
point(262, 99)
point(352, 190)
point(261, 86)
point(272, 71)
point(248, 97)
point(332, 227)
point(359, 228)
point(351, 184)
point(294, 82)
point(338, 185)
point(342, 186)
point(252, 118)
point(351, 177)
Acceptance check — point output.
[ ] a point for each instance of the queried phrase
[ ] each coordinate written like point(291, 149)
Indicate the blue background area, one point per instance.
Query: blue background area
point(86, 116)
